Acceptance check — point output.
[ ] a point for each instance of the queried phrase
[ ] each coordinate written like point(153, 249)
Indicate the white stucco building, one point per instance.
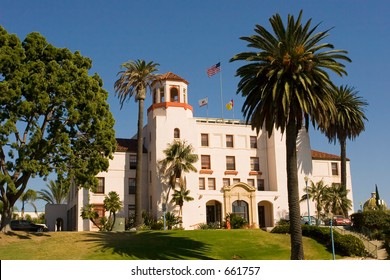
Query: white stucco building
point(238, 171)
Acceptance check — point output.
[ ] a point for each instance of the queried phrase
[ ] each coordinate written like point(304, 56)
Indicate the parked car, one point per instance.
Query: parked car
point(339, 220)
point(305, 220)
point(27, 226)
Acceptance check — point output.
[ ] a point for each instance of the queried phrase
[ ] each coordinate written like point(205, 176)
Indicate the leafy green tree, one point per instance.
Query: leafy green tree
point(286, 84)
point(54, 117)
point(179, 159)
point(112, 204)
point(28, 197)
point(136, 78)
point(56, 193)
point(347, 122)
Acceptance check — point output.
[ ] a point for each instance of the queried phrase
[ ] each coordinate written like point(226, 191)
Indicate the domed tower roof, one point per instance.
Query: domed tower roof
point(171, 77)
point(370, 204)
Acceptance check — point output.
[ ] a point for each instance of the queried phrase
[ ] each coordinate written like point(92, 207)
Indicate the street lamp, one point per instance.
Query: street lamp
point(307, 199)
point(331, 237)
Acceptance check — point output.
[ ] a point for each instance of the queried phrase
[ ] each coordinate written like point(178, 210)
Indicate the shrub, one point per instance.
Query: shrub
point(345, 245)
point(214, 225)
point(349, 245)
point(237, 222)
point(203, 226)
point(281, 229)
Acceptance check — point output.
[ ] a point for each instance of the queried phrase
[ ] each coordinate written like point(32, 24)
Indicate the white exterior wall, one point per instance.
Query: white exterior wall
point(164, 116)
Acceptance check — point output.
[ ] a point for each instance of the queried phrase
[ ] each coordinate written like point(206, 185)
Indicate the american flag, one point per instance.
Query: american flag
point(214, 69)
point(203, 102)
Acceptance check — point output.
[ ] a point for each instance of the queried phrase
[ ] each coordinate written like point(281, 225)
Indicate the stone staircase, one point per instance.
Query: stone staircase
point(374, 247)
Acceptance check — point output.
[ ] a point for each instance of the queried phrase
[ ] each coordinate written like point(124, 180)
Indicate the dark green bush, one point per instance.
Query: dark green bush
point(237, 222)
point(281, 229)
point(345, 245)
point(349, 245)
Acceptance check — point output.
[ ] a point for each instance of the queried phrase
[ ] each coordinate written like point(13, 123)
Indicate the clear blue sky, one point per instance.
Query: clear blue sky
point(186, 37)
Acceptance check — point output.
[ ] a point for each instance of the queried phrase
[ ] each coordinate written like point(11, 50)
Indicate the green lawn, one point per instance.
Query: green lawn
point(154, 245)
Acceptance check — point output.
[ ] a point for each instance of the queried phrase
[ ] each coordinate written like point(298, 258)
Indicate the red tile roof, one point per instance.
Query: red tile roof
point(324, 156)
point(172, 77)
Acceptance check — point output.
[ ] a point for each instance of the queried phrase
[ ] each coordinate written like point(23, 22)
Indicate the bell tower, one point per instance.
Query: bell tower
point(169, 93)
point(170, 118)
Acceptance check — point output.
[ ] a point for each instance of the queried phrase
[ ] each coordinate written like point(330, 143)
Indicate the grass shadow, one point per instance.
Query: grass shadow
point(149, 245)
point(24, 234)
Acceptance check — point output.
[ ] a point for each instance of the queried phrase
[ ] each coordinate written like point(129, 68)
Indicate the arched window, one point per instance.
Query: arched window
point(240, 208)
point(174, 95)
point(176, 133)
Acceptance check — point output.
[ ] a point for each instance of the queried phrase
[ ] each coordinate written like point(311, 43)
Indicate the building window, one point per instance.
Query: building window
point(229, 141)
point(236, 181)
point(133, 161)
point(251, 182)
point(255, 164)
point(132, 185)
point(99, 208)
point(335, 169)
point(253, 140)
point(260, 185)
point(174, 95)
point(211, 183)
point(226, 182)
point(100, 185)
point(202, 184)
point(176, 133)
point(230, 163)
point(205, 162)
point(162, 99)
point(131, 210)
point(204, 140)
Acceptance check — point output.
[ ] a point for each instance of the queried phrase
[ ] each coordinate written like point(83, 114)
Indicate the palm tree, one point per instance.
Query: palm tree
point(135, 80)
point(87, 212)
point(28, 198)
point(179, 158)
point(113, 204)
point(346, 123)
point(336, 201)
point(180, 196)
point(286, 83)
point(57, 193)
point(317, 192)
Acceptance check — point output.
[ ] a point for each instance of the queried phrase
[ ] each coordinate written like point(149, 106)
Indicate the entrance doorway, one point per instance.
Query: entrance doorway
point(213, 212)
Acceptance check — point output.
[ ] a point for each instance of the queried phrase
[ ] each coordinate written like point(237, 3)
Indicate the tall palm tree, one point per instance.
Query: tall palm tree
point(56, 193)
point(346, 123)
point(286, 83)
point(113, 204)
point(317, 192)
point(28, 197)
point(337, 201)
point(135, 80)
point(179, 158)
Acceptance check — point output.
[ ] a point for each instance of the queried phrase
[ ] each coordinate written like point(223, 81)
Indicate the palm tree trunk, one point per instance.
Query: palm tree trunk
point(293, 191)
point(138, 174)
point(343, 168)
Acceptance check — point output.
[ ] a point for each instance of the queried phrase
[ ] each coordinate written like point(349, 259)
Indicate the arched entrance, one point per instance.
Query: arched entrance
point(265, 214)
point(240, 199)
point(240, 208)
point(213, 212)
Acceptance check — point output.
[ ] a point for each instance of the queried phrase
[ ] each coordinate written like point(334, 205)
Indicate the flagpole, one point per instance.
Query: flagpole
point(220, 79)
